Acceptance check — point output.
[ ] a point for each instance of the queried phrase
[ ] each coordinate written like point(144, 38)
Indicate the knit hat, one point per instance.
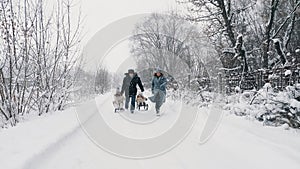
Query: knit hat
point(158, 70)
point(130, 71)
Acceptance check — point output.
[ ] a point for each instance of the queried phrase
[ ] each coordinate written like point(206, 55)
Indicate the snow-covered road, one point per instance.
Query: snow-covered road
point(58, 141)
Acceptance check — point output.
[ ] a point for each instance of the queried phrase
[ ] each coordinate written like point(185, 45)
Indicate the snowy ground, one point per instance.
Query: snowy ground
point(57, 141)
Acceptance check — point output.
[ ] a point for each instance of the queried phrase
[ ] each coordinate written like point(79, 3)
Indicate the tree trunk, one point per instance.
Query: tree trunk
point(267, 36)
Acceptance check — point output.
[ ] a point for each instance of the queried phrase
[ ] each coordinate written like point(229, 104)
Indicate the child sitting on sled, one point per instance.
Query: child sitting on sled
point(141, 101)
point(118, 100)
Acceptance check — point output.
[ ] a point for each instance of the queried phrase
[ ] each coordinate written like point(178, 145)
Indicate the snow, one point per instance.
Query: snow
point(229, 50)
point(273, 76)
point(237, 89)
point(23, 143)
point(57, 141)
point(287, 72)
point(295, 104)
point(267, 86)
point(276, 40)
point(285, 126)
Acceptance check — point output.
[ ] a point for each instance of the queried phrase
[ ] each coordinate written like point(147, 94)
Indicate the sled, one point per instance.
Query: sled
point(143, 105)
point(141, 102)
point(118, 106)
point(118, 110)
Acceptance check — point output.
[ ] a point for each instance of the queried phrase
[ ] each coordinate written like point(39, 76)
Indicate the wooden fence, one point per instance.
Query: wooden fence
point(279, 78)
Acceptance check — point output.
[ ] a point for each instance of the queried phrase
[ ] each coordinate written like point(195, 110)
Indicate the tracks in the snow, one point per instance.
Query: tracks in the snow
point(43, 156)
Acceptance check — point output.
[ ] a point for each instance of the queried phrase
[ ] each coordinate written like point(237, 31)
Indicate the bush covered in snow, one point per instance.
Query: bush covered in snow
point(193, 98)
point(272, 108)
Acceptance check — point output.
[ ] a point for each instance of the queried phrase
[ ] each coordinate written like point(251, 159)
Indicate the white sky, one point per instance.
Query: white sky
point(99, 13)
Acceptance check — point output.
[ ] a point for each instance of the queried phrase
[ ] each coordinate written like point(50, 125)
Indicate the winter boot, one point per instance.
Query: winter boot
point(157, 113)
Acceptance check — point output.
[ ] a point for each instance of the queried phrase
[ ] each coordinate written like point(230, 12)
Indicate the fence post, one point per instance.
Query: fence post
point(281, 79)
point(259, 79)
point(189, 81)
point(220, 82)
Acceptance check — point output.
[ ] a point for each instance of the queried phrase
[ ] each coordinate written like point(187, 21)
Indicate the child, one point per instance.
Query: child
point(141, 101)
point(118, 100)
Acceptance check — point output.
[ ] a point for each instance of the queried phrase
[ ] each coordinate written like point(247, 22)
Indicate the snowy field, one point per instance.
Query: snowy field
point(58, 141)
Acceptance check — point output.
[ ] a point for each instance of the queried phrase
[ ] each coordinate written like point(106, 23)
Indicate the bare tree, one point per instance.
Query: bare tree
point(102, 81)
point(258, 21)
point(169, 42)
point(37, 59)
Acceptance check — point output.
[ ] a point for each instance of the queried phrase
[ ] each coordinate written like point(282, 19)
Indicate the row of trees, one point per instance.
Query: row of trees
point(170, 42)
point(239, 35)
point(89, 84)
point(39, 48)
point(269, 29)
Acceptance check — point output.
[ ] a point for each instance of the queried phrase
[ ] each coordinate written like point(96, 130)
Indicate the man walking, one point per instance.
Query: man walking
point(130, 81)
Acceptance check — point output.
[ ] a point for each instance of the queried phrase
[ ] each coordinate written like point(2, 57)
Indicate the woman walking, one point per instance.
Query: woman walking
point(159, 83)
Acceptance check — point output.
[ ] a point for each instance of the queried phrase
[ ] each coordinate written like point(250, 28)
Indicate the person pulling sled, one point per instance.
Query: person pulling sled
point(130, 81)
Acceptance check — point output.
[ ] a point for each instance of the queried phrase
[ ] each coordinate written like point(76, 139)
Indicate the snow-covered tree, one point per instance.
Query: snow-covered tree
point(258, 21)
point(175, 45)
point(38, 52)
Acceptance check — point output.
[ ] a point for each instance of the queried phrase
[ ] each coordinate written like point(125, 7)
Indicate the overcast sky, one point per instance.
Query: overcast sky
point(100, 13)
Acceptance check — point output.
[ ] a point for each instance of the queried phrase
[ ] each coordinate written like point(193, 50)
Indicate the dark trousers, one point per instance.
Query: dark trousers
point(132, 105)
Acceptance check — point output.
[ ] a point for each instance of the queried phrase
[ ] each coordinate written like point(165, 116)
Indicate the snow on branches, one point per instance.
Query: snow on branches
point(271, 108)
